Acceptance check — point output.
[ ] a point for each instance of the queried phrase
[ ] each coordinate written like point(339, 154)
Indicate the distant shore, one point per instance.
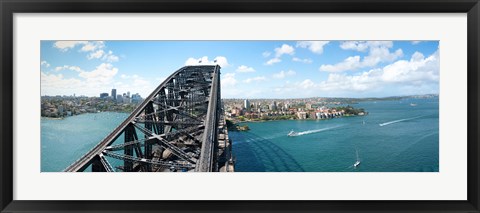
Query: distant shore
point(53, 118)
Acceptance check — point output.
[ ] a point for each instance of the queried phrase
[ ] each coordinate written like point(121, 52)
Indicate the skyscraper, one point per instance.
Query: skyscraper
point(114, 94)
point(273, 106)
point(246, 104)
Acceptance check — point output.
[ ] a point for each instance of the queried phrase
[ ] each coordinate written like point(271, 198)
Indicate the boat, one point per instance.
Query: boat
point(413, 104)
point(357, 163)
point(292, 133)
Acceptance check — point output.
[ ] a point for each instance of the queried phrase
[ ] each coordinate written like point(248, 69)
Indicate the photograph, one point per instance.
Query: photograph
point(239, 105)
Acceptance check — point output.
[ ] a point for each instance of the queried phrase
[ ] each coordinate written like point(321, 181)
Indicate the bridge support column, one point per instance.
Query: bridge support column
point(97, 165)
point(129, 136)
point(148, 146)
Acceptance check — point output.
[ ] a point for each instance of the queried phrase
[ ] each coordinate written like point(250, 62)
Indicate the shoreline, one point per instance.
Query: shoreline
point(62, 118)
point(260, 121)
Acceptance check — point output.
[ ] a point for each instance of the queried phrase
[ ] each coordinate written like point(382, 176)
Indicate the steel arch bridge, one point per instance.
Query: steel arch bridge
point(178, 127)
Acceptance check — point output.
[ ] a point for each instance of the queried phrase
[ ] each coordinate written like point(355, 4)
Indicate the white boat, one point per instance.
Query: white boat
point(292, 133)
point(413, 104)
point(357, 163)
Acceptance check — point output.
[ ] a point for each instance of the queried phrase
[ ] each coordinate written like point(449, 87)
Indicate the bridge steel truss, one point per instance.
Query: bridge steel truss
point(175, 128)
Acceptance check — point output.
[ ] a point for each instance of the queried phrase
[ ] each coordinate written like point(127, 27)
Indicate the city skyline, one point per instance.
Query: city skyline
point(250, 69)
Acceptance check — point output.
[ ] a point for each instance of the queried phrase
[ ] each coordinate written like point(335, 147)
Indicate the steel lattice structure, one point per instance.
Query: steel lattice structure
point(178, 127)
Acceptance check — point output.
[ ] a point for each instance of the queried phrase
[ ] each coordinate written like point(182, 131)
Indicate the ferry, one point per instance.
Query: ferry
point(358, 160)
point(292, 133)
point(356, 163)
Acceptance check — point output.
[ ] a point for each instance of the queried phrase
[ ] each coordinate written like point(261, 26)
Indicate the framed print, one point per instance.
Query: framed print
point(239, 106)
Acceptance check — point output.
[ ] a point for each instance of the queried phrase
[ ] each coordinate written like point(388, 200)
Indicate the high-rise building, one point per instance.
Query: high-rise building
point(103, 95)
point(136, 98)
point(114, 94)
point(273, 107)
point(119, 98)
point(246, 104)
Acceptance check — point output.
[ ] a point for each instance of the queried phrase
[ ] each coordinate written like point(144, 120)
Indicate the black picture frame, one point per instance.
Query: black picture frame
point(9, 7)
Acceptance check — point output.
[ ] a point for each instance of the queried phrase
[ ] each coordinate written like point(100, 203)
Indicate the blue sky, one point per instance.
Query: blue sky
point(250, 69)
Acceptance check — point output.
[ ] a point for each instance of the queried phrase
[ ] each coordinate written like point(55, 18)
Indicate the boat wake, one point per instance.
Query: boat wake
point(396, 121)
point(316, 130)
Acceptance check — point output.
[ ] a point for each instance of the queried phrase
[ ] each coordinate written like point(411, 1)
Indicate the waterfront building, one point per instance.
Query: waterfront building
point(114, 94)
point(302, 115)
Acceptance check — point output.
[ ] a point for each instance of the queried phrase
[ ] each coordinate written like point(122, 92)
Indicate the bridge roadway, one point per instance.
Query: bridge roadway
point(210, 134)
point(83, 162)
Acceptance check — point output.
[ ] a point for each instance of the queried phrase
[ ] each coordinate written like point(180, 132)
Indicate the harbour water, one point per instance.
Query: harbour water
point(407, 140)
point(394, 137)
point(64, 141)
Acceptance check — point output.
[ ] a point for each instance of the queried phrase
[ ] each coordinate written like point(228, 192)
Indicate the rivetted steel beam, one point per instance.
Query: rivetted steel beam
point(147, 161)
point(172, 123)
point(106, 164)
point(175, 150)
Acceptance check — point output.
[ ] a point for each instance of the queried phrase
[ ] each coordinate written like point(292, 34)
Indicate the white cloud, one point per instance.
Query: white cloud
point(66, 67)
point(134, 76)
point(284, 49)
point(100, 54)
point(95, 49)
point(354, 45)
point(378, 52)
point(273, 61)
point(97, 54)
point(103, 74)
point(44, 63)
point(244, 68)
point(419, 69)
point(266, 54)
point(314, 46)
point(419, 75)
point(306, 84)
point(283, 74)
point(279, 51)
point(66, 45)
point(349, 63)
point(110, 57)
point(219, 60)
point(259, 78)
point(92, 46)
point(416, 42)
point(228, 80)
point(52, 84)
point(89, 83)
point(306, 60)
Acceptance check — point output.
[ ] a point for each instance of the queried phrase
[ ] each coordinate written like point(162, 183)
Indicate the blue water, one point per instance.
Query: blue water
point(64, 141)
point(407, 141)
